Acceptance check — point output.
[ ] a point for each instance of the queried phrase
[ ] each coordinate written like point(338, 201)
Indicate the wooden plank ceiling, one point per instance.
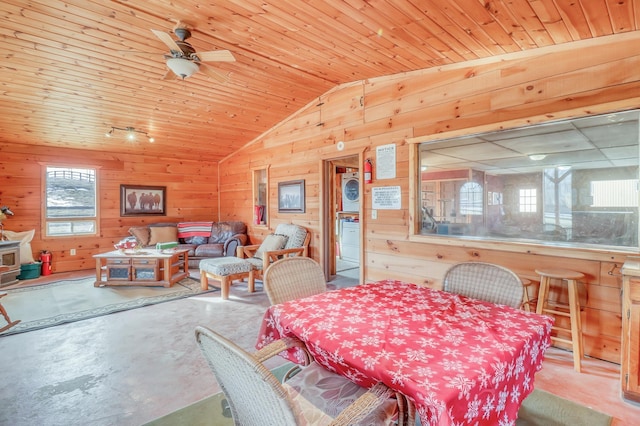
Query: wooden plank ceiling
point(73, 69)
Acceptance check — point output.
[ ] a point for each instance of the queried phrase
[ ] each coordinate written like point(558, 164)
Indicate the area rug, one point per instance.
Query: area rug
point(540, 408)
point(61, 302)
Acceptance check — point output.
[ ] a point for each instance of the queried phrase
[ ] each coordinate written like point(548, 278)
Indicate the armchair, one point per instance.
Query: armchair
point(296, 243)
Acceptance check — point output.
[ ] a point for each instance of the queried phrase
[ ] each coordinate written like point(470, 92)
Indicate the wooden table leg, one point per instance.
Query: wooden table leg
point(98, 272)
point(167, 272)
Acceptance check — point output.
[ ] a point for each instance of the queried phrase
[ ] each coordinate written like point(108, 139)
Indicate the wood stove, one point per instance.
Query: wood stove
point(9, 262)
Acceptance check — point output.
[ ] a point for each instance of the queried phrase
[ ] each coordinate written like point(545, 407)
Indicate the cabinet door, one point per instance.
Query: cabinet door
point(631, 339)
point(145, 269)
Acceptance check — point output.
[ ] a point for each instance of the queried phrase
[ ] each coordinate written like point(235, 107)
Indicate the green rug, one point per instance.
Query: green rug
point(545, 409)
point(213, 410)
point(540, 408)
point(61, 302)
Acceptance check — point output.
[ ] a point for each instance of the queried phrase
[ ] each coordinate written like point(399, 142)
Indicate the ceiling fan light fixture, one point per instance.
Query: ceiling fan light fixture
point(182, 67)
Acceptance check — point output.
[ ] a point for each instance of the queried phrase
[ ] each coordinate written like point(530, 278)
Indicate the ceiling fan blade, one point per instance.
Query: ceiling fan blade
point(213, 73)
point(216, 56)
point(166, 39)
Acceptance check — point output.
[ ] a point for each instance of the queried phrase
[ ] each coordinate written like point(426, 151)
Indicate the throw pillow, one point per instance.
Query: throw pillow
point(25, 237)
point(196, 240)
point(162, 234)
point(142, 234)
point(272, 242)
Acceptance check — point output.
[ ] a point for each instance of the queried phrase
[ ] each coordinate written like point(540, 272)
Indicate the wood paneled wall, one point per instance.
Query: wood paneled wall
point(565, 81)
point(192, 194)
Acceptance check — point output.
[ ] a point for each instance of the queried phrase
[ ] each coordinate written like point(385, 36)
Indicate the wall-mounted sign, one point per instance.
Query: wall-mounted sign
point(386, 161)
point(386, 198)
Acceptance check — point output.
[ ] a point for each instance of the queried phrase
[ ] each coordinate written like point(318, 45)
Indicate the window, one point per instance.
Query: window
point(471, 198)
point(528, 201)
point(70, 201)
point(614, 193)
point(573, 182)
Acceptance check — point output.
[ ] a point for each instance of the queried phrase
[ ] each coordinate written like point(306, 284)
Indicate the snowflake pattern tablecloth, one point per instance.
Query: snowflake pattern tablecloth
point(461, 361)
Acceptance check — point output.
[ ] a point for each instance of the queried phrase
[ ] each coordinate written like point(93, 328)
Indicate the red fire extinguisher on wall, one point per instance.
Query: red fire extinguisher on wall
point(45, 258)
point(368, 170)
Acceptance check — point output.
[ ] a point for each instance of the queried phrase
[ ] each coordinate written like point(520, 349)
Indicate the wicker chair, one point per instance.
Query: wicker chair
point(485, 281)
point(297, 244)
point(293, 278)
point(257, 398)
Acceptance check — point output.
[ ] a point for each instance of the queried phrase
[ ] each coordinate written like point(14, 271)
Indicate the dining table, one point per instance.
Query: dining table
point(460, 361)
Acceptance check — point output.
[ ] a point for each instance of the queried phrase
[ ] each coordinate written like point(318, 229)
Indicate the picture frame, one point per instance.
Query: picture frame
point(291, 196)
point(143, 200)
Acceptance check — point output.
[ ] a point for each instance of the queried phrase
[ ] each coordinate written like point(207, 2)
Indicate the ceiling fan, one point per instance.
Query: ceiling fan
point(183, 61)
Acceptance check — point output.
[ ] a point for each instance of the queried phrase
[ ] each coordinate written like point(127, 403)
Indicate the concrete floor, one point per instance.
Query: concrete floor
point(131, 367)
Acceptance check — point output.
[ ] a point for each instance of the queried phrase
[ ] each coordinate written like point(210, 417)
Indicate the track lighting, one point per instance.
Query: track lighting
point(131, 133)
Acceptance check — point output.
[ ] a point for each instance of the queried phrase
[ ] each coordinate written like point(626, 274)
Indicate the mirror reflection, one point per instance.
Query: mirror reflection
point(572, 182)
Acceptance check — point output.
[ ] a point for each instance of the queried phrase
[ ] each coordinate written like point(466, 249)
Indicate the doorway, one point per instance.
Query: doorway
point(342, 231)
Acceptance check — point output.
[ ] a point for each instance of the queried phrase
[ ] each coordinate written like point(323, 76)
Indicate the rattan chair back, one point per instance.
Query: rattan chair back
point(485, 281)
point(255, 395)
point(257, 398)
point(293, 278)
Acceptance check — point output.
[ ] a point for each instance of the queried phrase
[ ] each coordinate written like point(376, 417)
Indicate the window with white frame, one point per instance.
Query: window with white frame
point(70, 201)
point(528, 200)
point(614, 193)
point(471, 197)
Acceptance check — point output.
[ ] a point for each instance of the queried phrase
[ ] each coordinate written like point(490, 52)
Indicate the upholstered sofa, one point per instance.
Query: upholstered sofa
point(204, 240)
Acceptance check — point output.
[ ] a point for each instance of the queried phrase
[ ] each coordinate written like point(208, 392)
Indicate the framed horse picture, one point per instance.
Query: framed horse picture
point(141, 200)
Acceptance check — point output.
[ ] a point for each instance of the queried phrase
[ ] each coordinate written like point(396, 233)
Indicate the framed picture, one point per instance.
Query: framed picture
point(291, 196)
point(141, 200)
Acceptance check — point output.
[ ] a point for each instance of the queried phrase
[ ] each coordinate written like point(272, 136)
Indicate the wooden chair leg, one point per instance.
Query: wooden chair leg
point(576, 325)
point(542, 294)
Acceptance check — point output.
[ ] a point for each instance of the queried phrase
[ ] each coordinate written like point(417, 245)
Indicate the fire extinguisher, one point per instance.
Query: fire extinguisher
point(45, 258)
point(258, 213)
point(368, 169)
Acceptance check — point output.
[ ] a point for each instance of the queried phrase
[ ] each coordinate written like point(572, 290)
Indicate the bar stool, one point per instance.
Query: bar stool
point(527, 301)
point(544, 307)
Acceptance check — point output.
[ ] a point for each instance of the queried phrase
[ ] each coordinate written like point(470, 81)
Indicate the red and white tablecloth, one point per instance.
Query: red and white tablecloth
point(461, 361)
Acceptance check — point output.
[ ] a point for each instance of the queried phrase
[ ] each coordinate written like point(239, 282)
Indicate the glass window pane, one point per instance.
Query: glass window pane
point(70, 193)
point(71, 228)
point(572, 182)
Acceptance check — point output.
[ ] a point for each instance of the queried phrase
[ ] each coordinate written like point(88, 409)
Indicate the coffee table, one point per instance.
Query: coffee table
point(146, 267)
